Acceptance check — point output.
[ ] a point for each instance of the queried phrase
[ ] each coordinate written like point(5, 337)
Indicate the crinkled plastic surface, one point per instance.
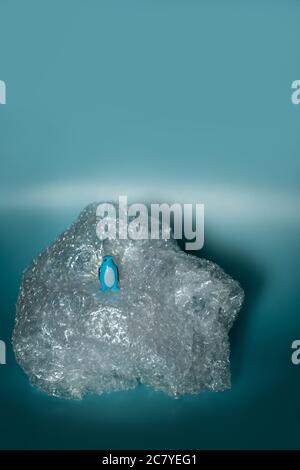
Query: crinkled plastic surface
point(167, 328)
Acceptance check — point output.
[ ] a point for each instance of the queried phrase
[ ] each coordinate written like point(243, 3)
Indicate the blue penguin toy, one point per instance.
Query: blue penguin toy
point(109, 275)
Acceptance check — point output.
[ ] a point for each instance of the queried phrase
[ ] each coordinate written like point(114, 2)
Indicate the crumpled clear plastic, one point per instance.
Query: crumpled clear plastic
point(167, 328)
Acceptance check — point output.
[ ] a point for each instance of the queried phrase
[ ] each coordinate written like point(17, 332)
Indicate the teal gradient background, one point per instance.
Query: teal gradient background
point(185, 100)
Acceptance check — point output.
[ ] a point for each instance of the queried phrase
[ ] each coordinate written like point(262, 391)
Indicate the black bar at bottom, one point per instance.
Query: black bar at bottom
point(136, 458)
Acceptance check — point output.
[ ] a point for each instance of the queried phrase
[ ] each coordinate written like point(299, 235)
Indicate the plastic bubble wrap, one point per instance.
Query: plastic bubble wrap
point(167, 328)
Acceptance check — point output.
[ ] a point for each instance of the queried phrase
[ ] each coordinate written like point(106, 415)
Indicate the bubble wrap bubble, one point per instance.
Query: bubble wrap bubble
point(167, 328)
